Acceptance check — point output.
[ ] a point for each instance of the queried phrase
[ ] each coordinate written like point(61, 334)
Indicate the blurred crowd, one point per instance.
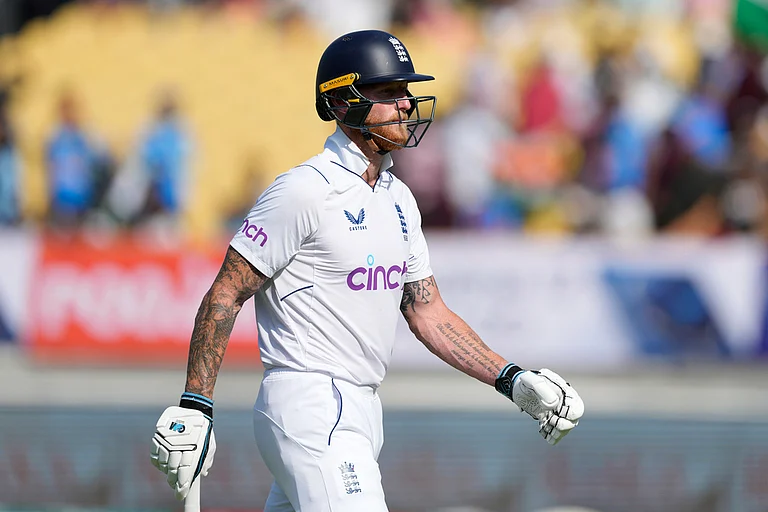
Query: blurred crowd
point(587, 117)
point(84, 185)
point(609, 140)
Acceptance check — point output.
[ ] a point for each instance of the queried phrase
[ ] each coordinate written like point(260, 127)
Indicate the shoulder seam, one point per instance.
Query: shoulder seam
point(327, 190)
point(316, 169)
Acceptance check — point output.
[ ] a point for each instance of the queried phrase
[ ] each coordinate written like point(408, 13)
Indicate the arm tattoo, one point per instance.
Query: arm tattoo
point(236, 282)
point(445, 334)
point(417, 292)
point(468, 349)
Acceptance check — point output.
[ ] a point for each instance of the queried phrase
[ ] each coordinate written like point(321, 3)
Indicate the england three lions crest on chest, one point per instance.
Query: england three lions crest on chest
point(403, 223)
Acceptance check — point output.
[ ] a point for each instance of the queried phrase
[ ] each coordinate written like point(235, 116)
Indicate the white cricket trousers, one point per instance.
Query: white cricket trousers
point(320, 438)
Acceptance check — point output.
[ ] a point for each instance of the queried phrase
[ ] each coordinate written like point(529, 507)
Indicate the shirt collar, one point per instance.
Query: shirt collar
point(349, 155)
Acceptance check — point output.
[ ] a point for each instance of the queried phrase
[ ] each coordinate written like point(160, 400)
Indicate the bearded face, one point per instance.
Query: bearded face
point(393, 116)
point(392, 136)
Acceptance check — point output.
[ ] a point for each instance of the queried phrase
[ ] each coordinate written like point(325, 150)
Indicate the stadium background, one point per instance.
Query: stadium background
point(593, 191)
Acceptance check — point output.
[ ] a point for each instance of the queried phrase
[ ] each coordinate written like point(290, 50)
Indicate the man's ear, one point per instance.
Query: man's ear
point(337, 102)
point(339, 105)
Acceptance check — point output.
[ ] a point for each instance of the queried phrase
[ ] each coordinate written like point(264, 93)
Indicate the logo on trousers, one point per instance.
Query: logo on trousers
point(376, 277)
point(254, 232)
point(349, 477)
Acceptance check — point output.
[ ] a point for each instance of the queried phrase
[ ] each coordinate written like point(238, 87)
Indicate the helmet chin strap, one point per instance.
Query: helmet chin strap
point(367, 135)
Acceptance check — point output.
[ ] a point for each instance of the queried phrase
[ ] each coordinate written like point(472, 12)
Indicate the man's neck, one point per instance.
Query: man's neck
point(370, 150)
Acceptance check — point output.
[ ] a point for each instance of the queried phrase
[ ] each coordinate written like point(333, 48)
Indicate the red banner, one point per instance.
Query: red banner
point(125, 301)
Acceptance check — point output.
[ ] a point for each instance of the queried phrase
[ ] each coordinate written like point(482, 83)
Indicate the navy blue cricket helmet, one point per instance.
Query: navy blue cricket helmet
point(362, 58)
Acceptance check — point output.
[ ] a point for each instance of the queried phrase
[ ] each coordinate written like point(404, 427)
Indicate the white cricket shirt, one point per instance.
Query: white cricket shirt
point(338, 253)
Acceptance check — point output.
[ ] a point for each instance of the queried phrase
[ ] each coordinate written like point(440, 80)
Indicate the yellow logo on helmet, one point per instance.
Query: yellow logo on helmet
point(339, 82)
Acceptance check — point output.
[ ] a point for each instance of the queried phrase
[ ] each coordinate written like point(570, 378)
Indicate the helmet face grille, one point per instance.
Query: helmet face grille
point(349, 107)
point(420, 117)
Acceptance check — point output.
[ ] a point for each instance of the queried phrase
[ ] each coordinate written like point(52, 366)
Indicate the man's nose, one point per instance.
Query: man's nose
point(404, 104)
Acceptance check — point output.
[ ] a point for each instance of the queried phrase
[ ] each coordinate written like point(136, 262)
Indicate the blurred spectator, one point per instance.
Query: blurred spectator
point(10, 171)
point(541, 104)
point(646, 103)
point(472, 135)
point(625, 153)
point(424, 172)
point(744, 199)
point(701, 121)
point(251, 183)
point(164, 154)
point(748, 93)
point(667, 156)
point(78, 168)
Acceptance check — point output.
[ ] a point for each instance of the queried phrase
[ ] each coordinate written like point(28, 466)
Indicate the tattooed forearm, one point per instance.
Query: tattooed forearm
point(213, 325)
point(469, 349)
point(417, 292)
point(453, 341)
point(236, 282)
point(445, 334)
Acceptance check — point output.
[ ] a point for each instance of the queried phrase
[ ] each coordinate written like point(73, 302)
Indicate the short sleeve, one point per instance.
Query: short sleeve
point(284, 216)
point(418, 258)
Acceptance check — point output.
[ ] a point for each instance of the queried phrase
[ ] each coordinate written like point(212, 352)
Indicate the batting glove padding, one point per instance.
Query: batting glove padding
point(546, 397)
point(567, 416)
point(183, 447)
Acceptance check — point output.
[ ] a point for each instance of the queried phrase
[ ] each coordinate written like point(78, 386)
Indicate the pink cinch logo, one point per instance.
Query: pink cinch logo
point(254, 232)
point(376, 277)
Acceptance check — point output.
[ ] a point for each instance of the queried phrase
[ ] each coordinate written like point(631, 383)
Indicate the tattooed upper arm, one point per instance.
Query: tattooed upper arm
point(417, 294)
point(238, 278)
point(236, 282)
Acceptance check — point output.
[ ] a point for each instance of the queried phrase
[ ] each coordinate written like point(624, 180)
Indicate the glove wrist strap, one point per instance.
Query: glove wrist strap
point(198, 402)
point(506, 379)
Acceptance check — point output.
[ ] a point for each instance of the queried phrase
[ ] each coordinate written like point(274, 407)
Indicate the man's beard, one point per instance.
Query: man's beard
point(390, 137)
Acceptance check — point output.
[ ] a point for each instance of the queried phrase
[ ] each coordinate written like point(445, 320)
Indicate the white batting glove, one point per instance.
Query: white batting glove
point(184, 445)
point(545, 396)
point(566, 417)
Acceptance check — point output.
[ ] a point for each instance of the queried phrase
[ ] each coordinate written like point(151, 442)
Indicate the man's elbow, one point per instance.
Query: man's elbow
point(220, 299)
point(419, 325)
point(410, 319)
